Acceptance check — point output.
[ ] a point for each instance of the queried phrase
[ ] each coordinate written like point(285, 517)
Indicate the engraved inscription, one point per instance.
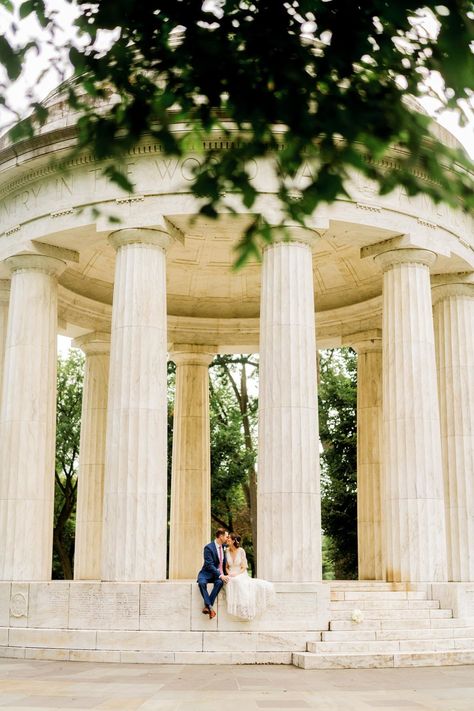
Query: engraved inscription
point(166, 169)
point(49, 605)
point(104, 607)
point(64, 186)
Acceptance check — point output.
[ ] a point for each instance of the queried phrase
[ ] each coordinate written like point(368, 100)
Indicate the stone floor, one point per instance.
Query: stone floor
point(80, 685)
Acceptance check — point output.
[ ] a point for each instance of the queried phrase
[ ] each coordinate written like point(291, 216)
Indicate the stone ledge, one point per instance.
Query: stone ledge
point(156, 642)
point(171, 606)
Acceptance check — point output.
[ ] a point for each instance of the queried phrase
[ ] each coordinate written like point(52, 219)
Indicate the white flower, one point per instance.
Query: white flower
point(357, 616)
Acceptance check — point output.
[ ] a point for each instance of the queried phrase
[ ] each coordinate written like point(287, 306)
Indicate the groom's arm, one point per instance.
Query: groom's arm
point(209, 562)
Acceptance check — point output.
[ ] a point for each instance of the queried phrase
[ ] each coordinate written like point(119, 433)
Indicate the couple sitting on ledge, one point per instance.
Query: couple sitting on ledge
point(225, 563)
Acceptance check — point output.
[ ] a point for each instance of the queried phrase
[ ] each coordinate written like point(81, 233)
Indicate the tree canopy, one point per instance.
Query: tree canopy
point(319, 83)
point(337, 397)
point(315, 83)
point(70, 378)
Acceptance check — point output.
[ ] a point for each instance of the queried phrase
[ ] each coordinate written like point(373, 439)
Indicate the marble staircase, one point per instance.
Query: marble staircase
point(397, 625)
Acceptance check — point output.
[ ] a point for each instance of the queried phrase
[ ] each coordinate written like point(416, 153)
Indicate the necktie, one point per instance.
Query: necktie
point(220, 559)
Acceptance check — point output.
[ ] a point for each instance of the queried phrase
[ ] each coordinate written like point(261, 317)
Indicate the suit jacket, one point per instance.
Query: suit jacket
point(210, 570)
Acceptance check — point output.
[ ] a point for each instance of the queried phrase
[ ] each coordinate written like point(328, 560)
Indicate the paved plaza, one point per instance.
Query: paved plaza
point(76, 685)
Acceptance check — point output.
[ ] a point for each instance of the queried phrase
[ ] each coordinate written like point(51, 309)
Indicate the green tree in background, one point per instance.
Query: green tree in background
point(338, 436)
point(323, 84)
point(233, 407)
point(233, 425)
point(68, 423)
point(233, 419)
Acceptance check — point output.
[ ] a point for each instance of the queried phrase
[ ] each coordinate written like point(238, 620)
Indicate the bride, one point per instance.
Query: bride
point(246, 597)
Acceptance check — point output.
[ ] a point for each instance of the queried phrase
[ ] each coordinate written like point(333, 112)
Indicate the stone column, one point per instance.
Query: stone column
point(4, 300)
point(190, 519)
point(28, 420)
point(90, 484)
point(289, 511)
point(135, 490)
point(369, 454)
point(413, 506)
point(454, 333)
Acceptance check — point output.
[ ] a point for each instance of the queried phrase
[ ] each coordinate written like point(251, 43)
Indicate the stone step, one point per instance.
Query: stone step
point(453, 622)
point(369, 585)
point(398, 634)
point(362, 647)
point(357, 595)
point(384, 604)
point(309, 660)
point(386, 614)
point(382, 647)
point(401, 624)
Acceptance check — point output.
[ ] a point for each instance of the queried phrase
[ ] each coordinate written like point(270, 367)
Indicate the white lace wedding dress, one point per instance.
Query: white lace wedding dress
point(246, 597)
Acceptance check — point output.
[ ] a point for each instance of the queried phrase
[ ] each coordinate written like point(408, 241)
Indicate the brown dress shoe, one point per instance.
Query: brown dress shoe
point(212, 614)
point(205, 610)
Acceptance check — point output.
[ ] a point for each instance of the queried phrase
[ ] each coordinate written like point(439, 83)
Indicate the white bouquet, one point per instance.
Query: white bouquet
point(357, 616)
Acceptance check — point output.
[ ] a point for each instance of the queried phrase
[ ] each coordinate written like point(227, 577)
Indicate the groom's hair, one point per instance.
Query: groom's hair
point(220, 532)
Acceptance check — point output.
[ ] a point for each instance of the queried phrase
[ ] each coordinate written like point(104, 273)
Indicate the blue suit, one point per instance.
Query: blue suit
point(210, 573)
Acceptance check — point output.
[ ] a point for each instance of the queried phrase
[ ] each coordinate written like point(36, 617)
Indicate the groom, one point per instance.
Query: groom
point(213, 571)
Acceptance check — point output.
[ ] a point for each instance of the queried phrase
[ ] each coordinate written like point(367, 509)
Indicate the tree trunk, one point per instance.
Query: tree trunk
point(64, 557)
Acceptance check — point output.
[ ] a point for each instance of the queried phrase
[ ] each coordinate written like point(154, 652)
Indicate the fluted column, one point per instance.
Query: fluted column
point(4, 301)
point(413, 506)
point(289, 512)
point(369, 454)
point(27, 420)
point(454, 332)
point(90, 483)
point(190, 519)
point(135, 490)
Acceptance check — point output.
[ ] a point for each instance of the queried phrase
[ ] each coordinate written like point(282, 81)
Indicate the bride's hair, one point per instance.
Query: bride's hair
point(236, 539)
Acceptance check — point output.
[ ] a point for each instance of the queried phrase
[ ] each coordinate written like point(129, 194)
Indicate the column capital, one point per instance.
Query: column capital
point(93, 343)
point(36, 263)
point(188, 354)
point(447, 285)
point(140, 235)
point(292, 234)
point(405, 255)
point(364, 341)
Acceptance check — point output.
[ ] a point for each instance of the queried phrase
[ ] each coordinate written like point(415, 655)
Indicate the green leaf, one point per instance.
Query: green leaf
point(26, 8)
point(10, 58)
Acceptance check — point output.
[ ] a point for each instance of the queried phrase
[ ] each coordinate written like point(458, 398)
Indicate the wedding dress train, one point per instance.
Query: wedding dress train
point(246, 597)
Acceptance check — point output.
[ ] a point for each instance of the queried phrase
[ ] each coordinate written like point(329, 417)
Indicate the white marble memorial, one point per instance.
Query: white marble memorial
point(147, 277)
